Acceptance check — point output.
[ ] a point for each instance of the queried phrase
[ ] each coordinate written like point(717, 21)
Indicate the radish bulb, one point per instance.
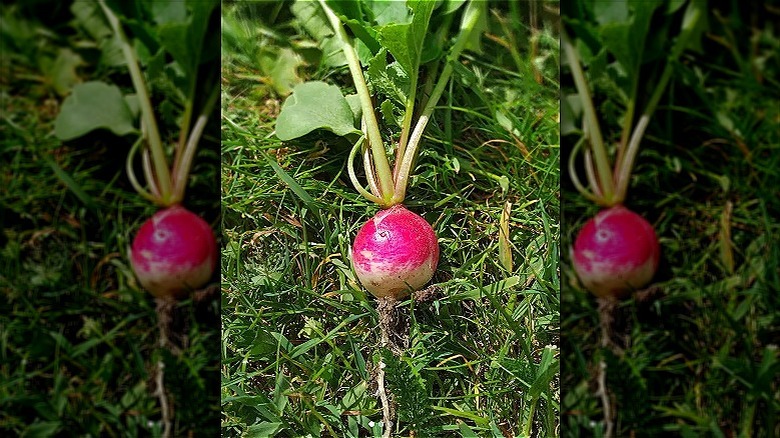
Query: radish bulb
point(395, 252)
point(173, 253)
point(615, 253)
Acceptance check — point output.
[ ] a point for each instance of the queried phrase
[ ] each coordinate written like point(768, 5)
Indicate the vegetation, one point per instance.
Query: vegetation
point(79, 336)
point(695, 354)
point(301, 342)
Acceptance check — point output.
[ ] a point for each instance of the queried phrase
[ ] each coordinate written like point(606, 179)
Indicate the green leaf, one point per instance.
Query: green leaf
point(475, 39)
point(548, 368)
point(387, 12)
point(354, 104)
point(281, 66)
point(388, 79)
point(314, 105)
point(90, 17)
point(405, 41)
point(262, 430)
point(93, 105)
point(61, 72)
point(184, 39)
point(625, 38)
point(391, 113)
point(315, 23)
point(41, 429)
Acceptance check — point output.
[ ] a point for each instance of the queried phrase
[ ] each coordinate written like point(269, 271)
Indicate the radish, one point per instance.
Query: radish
point(395, 253)
point(616, 252)
point(173, 253)
point(175, 250)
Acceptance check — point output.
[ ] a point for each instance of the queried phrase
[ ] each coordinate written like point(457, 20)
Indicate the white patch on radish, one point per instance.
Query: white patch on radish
point(173, 253)
point(395, 252)
point(615, 253)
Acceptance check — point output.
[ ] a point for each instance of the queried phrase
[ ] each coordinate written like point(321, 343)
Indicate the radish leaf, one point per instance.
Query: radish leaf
point(93, 105)
point(315, 105)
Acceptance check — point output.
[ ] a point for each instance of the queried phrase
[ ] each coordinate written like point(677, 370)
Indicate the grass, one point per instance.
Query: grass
point(78, 337)
point(300, 336)
point(698, 356)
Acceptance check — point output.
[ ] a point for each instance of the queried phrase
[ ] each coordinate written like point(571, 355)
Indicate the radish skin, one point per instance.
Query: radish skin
point(615, 253)
point(173, 253)
point(395, 253)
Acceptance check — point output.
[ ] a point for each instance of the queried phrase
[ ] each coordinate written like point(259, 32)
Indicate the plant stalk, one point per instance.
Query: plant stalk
point(591, 121)
point(624, 167)
point(183, 161)
point(402, 178)
point(381, 164)
point(155, 144)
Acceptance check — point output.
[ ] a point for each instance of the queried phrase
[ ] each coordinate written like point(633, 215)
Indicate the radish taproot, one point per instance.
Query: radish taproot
point(173, 253)
point(395, 252)
point(615, 252)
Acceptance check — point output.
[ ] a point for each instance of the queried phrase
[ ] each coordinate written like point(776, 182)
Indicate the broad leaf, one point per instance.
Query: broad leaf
point(405, 41)
point(93, 105)
point(61, 72)
point(184, 39)
point(388, 79)
point(314, 105)
point(315, 23)
point(281, 67)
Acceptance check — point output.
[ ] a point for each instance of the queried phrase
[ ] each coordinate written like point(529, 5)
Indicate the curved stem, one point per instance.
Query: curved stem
point(594, 132)
point(381, 164)
point(353, 177)
point(131, 173)
point(370, 176)
point(368, 166)
point(151, 178)
point(402, 178)
point(573, 172)
point(590, 173)
point(147, 114)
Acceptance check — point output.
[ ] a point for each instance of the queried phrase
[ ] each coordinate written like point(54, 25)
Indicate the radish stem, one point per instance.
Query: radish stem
point(373, 134)
point(183, 162)
point(131, 173)
point(147, 114)
point(573, 172)
point(351, 170)
point(591, 121)
point(402, 179)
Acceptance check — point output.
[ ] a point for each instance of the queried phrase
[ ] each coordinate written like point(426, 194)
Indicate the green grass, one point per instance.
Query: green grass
point(699, 357)
point(300, 336)
point(78, 338)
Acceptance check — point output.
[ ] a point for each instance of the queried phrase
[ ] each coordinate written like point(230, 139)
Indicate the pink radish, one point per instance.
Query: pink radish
point(395, 252)
point(173, 253)
point(616, 252)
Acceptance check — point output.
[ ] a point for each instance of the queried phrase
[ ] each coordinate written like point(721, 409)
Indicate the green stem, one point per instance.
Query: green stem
point(402, 179)
point(184, 157)
point(368, 166)
point(594, 132)
point(155, 144)
point(624, 167)
point(573, 172)
point(406, 125)
point(131, 173)
point(352, 177)
point(381, 163)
